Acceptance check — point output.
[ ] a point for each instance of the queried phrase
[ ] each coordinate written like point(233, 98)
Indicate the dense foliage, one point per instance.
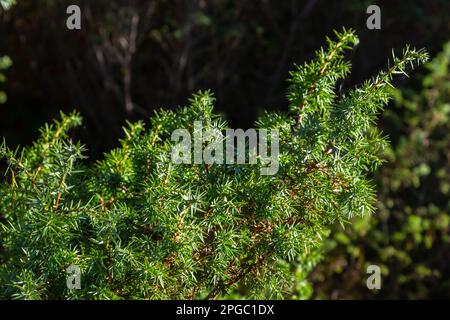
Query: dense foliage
point(409, 236)
point(140, 226)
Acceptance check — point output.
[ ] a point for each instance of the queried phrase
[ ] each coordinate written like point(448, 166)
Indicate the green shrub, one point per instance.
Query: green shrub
point(409, 235)
point(139, 226)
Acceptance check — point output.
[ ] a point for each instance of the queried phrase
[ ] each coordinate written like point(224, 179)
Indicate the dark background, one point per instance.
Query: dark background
point(153, 54)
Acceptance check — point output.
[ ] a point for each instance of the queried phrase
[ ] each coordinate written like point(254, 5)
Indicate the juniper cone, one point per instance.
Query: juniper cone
point(139, 226)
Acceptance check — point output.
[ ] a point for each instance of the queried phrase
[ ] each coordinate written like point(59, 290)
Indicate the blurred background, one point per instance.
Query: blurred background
point(132, 57)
